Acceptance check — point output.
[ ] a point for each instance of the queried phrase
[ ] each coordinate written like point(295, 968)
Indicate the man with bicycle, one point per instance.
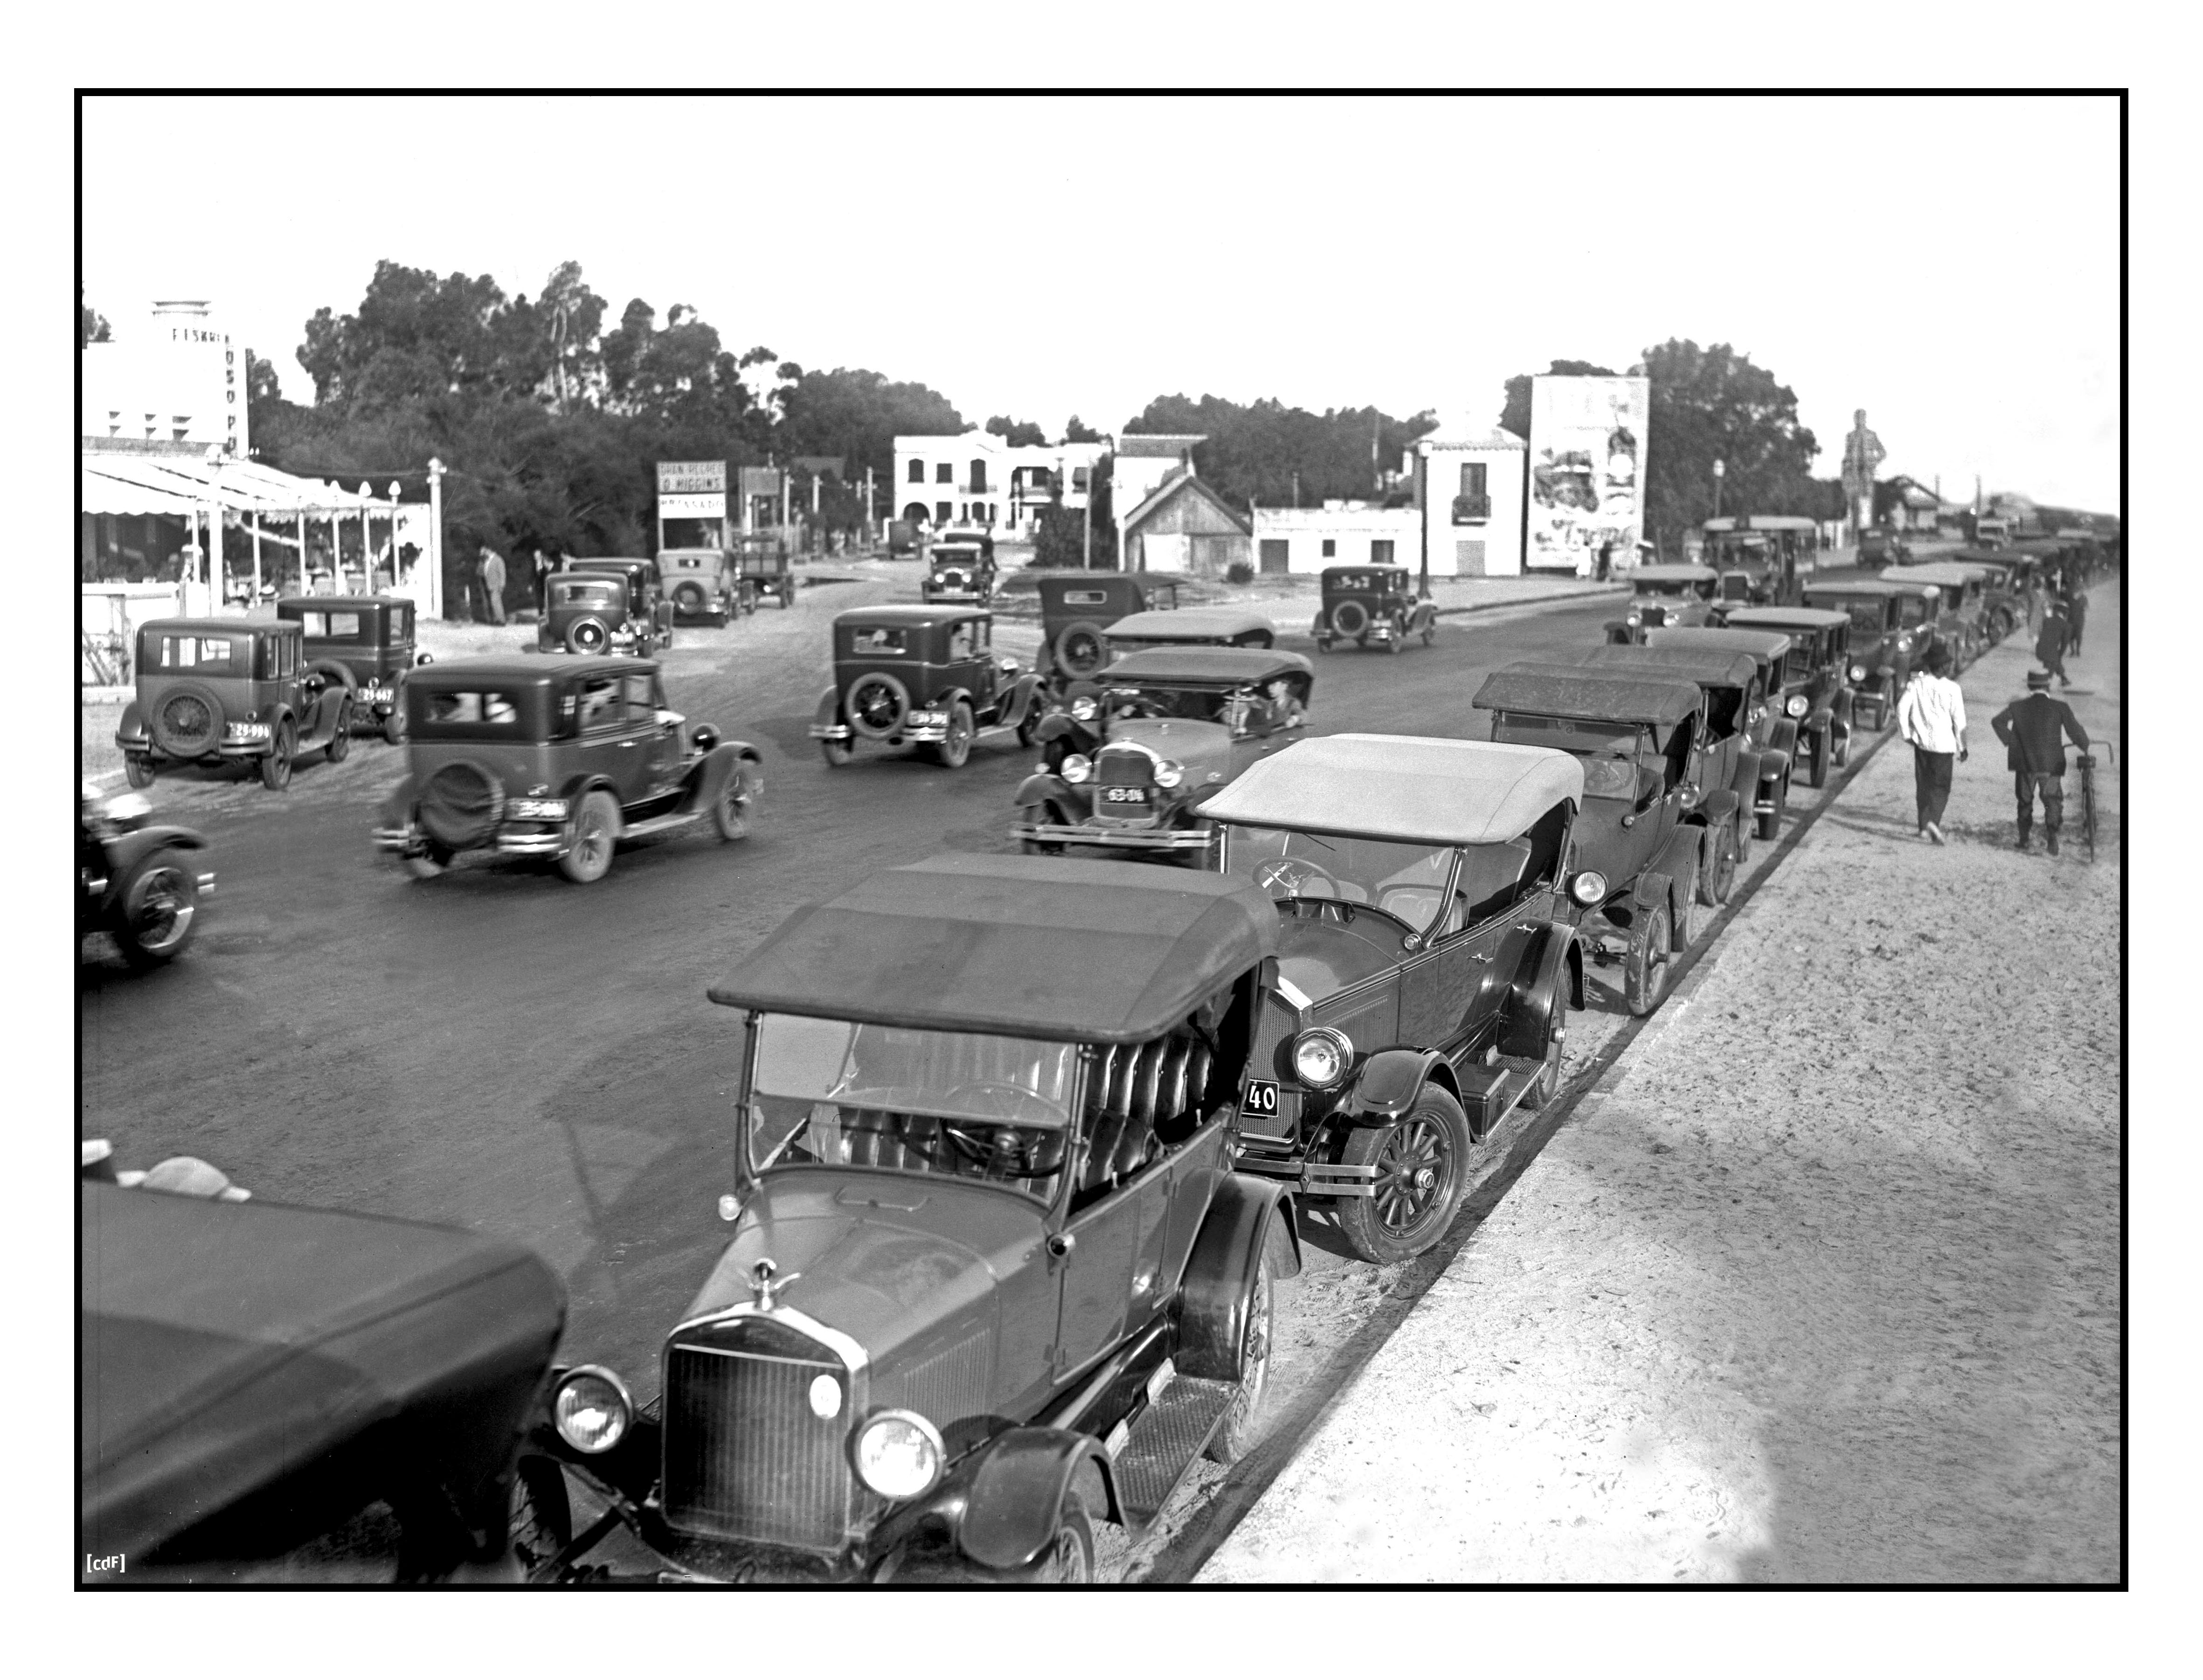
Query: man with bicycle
point(2033, 733)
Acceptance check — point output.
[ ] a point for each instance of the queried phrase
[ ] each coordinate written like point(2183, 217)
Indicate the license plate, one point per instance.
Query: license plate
point(1262, 1098)
point(1124, 795)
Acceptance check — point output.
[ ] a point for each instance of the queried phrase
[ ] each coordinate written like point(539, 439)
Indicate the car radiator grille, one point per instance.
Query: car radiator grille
point(1123, 770)
point(746, 1457)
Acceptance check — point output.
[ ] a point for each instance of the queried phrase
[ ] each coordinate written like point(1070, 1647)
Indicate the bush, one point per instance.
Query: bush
point(1059, 541)
point(1239, 572)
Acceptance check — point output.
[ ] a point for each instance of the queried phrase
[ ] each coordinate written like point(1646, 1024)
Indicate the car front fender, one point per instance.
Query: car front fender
point(1013, 1489)
point(1040, 787)
point(1387, 1085)
point(1535, 994)
point(709, 776)
point(1022, 697)
point(1220, 1273)
point(1719, 805)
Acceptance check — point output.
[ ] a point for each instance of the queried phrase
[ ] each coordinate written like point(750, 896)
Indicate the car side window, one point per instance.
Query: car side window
point(960, 644)
point(601, 705)
point(641, 690)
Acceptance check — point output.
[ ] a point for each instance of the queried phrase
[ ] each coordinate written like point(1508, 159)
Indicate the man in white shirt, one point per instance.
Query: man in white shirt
point(1932, 716)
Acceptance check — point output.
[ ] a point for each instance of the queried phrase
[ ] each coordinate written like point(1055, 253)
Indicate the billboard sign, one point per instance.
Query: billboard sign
point(690, 477)
point(1588, 436)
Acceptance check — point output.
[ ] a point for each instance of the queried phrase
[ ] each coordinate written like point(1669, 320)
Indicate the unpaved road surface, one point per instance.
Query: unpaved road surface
point(1824, 1285)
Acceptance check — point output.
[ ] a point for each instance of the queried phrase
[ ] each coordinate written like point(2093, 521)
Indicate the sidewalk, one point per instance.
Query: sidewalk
point(1824, 1285)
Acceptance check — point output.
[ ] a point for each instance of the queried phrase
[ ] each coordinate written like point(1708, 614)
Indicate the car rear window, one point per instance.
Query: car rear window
point(1085, 597)
point(334, 626)
point(879, 639)
point(574, 592)
point(470, 709)
point(208, 655)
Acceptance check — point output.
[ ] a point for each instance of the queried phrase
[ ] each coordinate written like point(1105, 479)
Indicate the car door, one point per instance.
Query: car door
point(967, 664)
point(644, 693)
point(614, 743)
point(1437, 981)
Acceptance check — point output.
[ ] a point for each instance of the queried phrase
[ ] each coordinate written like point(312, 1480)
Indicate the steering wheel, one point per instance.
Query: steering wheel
point(982, 1150)
point(1292, 874)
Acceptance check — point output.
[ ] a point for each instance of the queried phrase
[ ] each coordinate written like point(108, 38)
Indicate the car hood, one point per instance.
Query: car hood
point(1323, 958)
point(897, 1262)
point(1208, 745)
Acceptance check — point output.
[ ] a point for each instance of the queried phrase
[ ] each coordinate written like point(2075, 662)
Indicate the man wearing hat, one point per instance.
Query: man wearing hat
point(2033, 731)
point(2076, 617)
point(2050, 643)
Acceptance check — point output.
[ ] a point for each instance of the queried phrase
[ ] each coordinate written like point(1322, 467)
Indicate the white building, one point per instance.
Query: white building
point(1472, 481)
point(978, 479)
point(175, 378)
point(1339, 532)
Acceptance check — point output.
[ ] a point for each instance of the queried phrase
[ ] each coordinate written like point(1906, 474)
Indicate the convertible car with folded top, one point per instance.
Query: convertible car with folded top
point(991, 1280)
point(253, 1377)
point(1190, 627)
point(1130, 754)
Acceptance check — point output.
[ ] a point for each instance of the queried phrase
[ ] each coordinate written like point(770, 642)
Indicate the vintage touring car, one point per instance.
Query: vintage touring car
point(558, 759)
point(228, 691)
point(1893, 627)
point(992, 1279)
point(1130, 754)
point(1425, 965)
point(1076, 606)
point(1814, 687)
point(137, 881)
point(1190, 627)
point(1740, 741)
point(923, 676)
point(704, 584)
point(1666, 595)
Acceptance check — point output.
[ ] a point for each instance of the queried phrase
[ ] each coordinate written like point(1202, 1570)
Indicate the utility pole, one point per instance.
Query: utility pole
point(435, 541)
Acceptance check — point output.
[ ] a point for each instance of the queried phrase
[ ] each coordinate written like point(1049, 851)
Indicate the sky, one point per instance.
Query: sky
point(1950, 265)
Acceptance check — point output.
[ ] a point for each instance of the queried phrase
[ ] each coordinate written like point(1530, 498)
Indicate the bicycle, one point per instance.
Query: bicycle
point(2087, 764)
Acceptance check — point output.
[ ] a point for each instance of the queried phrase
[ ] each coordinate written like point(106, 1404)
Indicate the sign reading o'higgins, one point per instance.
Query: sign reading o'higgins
point(692, 495)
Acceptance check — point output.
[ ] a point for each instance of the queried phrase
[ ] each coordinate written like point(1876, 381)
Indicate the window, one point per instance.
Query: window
point(1085, 598)
point(944, 474)
point(332, 626)
point(1380, 551)
point(1472, 479)
point(1331, 548)
point(878, 639)
point(979, 477)
point(966, 642)
point(940, 510)
point(212, 656)
point(643, 697)
point(602, 704)
point(472, 707)
point(917, 473)
point(1079, 478)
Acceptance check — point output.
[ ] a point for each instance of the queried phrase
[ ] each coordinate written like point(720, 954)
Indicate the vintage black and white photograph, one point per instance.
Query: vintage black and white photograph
point(968, 841)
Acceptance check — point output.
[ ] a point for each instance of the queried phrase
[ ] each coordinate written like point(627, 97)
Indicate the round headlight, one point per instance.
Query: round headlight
point(1588, 887)
point(1169, 772)
point(1085, 709)
point(591, 1409)
point(1796, 706)
point(899, 1454)
point(1859, 673)
point(1077, 768)
point(1320, 1057)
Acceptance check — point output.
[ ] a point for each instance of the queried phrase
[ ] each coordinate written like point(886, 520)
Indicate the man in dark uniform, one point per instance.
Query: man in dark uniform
point(2033, 731)
point(2076, 617)
point(2050, 643)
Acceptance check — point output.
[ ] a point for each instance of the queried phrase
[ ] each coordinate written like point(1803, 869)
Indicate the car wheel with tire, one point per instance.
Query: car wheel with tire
point(1422, 1169)
point(1770, 822)
point(430, 862)
point(542, 1520)
point(955, 745)
point(1040, 816)
point(275, 762)
point(837, 752)
point(159, 904)
point(588, 854)
point(1545, 1084)
point(690, 598)
point(1350, 619)
point(730, 811)
point(1645, 968)
point(588, 636)
point(393, 726)
point(1080, 649)
point(340, 745)
point(138, 770)
point(1068, 1559)
point(1236, 1433)
point(189, 722)
point(1817, 759)
point(1717, 865)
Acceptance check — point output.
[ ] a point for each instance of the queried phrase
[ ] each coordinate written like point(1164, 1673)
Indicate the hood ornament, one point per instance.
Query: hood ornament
point(763, 1279)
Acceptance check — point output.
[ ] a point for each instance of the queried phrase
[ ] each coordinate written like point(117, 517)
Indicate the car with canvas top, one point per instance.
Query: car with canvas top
point(1666, 595)
point(1813, 689)
point(1892, 629)
point(1190, 627)
point(1075, 606)
point(558, 759)
point(991, 1278)
point(1741, 741)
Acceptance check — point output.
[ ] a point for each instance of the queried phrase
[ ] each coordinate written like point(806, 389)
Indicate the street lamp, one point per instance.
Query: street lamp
point(1718, 471)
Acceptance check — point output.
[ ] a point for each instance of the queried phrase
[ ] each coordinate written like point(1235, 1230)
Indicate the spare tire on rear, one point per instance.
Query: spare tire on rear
point(333, 672)
point(875, 704)
point(690, 598)
point(588, 636)
point(1080, 649)
point(462, 804)
point(189, 721)
point(1350, 618)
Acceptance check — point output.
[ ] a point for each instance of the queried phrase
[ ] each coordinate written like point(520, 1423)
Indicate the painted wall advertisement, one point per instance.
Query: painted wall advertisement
point(1587, 470)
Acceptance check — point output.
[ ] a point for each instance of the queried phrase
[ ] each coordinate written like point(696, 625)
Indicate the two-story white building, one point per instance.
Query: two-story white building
point(1472, 483)
point(978, 479)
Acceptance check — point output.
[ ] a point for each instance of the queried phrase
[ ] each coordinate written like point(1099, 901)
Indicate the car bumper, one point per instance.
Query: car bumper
point(1142, 838)
point(529, 842)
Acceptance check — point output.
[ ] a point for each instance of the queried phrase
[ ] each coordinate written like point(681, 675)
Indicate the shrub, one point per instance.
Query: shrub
point(1239, 572)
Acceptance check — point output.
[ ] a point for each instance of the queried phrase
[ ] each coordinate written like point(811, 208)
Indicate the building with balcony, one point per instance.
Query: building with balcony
point(1471, 484)
point(978, 479)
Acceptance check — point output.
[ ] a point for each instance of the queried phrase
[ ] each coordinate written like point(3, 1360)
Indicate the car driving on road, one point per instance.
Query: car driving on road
point(1075, 607)
point(923, 676)
point(560, 759)
point(1363, 604)
point(1666, 595)
point(137, 881)
point(1425, 965)
point(991, 1278)
point(232, 691)
point(1129, 754)
point(369, 637)
point(604, 607)
point(1190, 627)
point(703, 584)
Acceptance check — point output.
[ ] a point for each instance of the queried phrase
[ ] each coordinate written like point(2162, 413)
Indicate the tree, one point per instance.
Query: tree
point(1715, 405)
point(1254, 452)
point(1515, 413)
point(1018, 434)
point(92, 327)
point(856, 414)
point(1077, 431)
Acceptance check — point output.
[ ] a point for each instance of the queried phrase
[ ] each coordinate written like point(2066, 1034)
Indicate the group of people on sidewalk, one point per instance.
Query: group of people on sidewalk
point(1931, 716)
point(486, 588)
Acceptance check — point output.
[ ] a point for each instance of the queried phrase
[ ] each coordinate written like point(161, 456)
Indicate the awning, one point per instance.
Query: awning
point(113, 482)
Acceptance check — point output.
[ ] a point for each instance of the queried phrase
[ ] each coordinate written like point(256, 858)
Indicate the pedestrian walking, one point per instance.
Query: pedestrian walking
point(2050, 641)
point(1605, 560)
point(2077, 618)
point(492, 572)
point(2034, 732)
point(1932, 716)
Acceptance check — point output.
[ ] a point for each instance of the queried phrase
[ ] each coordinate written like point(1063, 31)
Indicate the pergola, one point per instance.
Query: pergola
point(220, 491)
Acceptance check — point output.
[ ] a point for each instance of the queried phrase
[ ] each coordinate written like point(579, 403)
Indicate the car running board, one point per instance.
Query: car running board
point(1153, 1457)
point(658, 824)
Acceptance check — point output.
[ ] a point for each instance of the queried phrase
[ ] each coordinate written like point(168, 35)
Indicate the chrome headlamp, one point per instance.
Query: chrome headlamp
point(1169, 772)
point(1859, 673)
point(1085, 709)
point(1588, 887)
point(1796, 706)
point(898, 1454)
point(592, 1409)
point(1321, 1056)
point(1077, 767)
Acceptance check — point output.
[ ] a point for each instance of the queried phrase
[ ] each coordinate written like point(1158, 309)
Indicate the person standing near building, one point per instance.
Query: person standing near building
point(1932, 716)
point(2076, 617)
point(492, 572)
point(2034, 732)
point(542, 569)
point(2050, 641)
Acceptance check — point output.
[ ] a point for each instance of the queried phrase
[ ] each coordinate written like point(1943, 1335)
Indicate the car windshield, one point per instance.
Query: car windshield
point(1866, 615)
point(837, 1093)
point(1912, 610)
point(1403, 880)
point(207, 655)
point(335, 626)
point(1607, 751)
point(1658, 587)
